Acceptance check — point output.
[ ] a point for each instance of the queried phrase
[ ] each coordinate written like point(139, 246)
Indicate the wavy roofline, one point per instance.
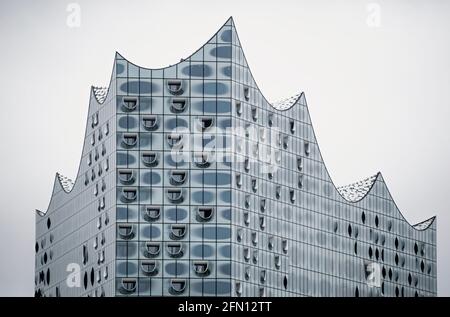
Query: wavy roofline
point(94, 90)
point(254, 79)
point(93, 96)
point(375, 178)
point(64, 179)
point(431, 220)
point(230, 19)
point(378, 176)
point(57, 180)
point(295, 102)
point(325, 165)
point(403, 216)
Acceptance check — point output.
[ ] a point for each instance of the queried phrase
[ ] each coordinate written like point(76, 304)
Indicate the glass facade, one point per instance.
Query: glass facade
point(193, 184)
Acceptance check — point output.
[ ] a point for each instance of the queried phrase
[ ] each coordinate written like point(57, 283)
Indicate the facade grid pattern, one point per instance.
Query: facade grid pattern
point(192, 184)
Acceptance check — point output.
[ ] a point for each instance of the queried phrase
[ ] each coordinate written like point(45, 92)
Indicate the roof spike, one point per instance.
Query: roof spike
point(100, 93)
point(287, 103)
point(356, 191)
point(66, 183)
point(117, 55)
point(424, 224)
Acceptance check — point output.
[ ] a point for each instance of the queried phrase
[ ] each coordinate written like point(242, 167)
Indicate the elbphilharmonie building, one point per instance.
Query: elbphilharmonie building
point(191, 183)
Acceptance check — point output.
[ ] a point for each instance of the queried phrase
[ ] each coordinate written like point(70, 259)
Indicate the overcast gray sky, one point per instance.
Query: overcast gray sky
point(376, 76)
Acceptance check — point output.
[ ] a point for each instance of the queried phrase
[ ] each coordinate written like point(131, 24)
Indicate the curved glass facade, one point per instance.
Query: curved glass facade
point(192, 184)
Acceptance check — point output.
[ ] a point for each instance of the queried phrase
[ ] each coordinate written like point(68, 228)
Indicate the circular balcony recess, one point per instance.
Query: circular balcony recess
point(247, 273)
point(239, 235)
point(284, 246)
point(277, 262)
point(271, 243)
point(238, 108)
point(246, 164)
point(129, 140)
point(270, 120)
point(246, 218)
point(175, 195)
point(152, 249)
point(300, 181)
point(125, 231)
point(178, 177)
point(307, 148)
point(129, 195)
point(246, 93)
point(254, 113)
point(127, 176)
point(262, 223)
point(263, 205)
point(299, 163)
point(202, 159)
point(128, 285)
point(238, 288)
point(175, 250)
point(177, 286)
point(177, 231)
point(201, 268)
point(175, 140)
point(149, 268)
point(246, 254)
point(152, 213)
point(204, 214)
point(149, 159)
point(178, 105)
point(129, 104)
point(150, 123)
point(292, 126)
point(205, 123)
point(238, 180)
point(175, 86)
